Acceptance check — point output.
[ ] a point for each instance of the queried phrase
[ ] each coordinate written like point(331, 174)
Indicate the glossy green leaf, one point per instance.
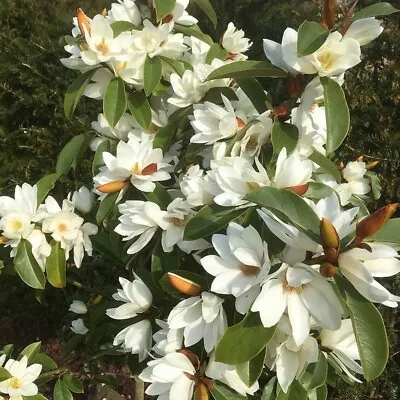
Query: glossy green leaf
point(311, 36)
point(209, 220)
point(195, 31)
point(98, 161)
point(255, 92)
point(337, 114)
point(376, 185)
point(369, 330)
point(269, 391)
point(27, 267)
point(389, 233)
point(247, 69)
point(35, 397)
point(164, 137)
point(326, 164)
point(56, 266)
point(316, 373)
point(106, 207)
point(320, 393)
point(216, 51)
point(72, 383)
point(284, 135)
point(317, 191)
point(152, 74)
point(114, 102)
point(178, 66)
point(162, 262)
point(222, 392)
point(7, 350)
point(243, 341)
point(214, 95)
point(4, 374)
point(295, 392)
point(31, 351)
point(71, 152)
point(375, 10)
point(208, 10)
point(140, 109)
point(46, 362)
point(121, 26)
point(163, 8)
point(75, 92)
point(250, 371)
point(288, 203)
point(44, 185)
point(61, 391)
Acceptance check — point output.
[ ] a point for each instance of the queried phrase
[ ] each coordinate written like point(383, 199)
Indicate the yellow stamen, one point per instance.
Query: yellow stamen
point(15, 383)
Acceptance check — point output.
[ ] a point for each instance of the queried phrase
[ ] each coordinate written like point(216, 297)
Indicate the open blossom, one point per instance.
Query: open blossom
point(136, 161)
point(78, 327)
point(166, 339)
point(241, 266)
point(22, 381)
point(125, 10)
point(234, 42)
point(202, 317)
point(78, 307)
point(301, 292)
point(180, 15)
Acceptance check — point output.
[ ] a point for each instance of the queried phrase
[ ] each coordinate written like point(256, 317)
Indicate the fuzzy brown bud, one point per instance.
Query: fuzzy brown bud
point(328, 13)
point(299, 189)
point(329, 236)
point(112, 187)
point(83, 21)
point(202, 392)
point(184, 285)
point(3, 240)
point(327, 270)
point(372, 165)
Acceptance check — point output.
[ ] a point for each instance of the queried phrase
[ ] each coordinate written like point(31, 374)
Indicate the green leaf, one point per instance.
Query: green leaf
point(243, 341)
point(61, 391)
point(47, 362)
point(162, 262)
point(247, 69)
point(216, 51)
point(317, 191)
point(75, 92)
point(375, 10)
point(222, 392)
point(159, 196)
point(269, 390)
point(311, 37)
point(30, 351)
point(320, 393)
point(4, 374)
point(369, 330)
point(71, 152)
point(178, 66)
point(114, 102)
point(326, 164)
point(295, 392)
point(337, 114)
point(288, 203)
point(72, 383)
point(375, 184)
point(250, 371)
point(389, 233)
point(208, 10)
point(121, 26)
point(44, 185)
point(152, 74)
point(209, 220)
point(140, 109)
point(315, 375)
point(163, 138)
point(35, 397)
point(195, 31)
point(106, 207)
point(214, 95)
point(98, 156)
point(56, 266)
point(163, 8)
point(7, 350)
point(284, 135)
point(27, 267)
point(255, 92)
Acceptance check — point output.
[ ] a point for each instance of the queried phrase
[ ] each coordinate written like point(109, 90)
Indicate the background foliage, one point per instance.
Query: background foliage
point(33, 128)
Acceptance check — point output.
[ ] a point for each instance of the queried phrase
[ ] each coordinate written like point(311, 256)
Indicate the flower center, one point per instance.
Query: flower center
point(178, 222)
point(62, 227)
point(252, 186)
point(292, 289)
point(15, 383)
point(250, 270)
point(103, 48)
point(16, 225)
point(326, 60)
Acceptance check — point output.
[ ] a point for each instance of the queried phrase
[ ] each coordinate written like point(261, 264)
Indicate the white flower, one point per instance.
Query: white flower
point(170, 377)
point(21, 382)
point(344, 348)
point(78, 307)
point(139, 218)
point(300, 291)
point(273, 52)
point(136, 296)
point(234, 42)
point(100, 80)
point(364, 30)
point(360, 266)
point(180, 14)
point(354, 170)
point(78, 327)
point(83, 200)
point(125, 10)
point(166, 339)
point(241, 265)
point(212, 122)
point(136, 160)
point(202, 317)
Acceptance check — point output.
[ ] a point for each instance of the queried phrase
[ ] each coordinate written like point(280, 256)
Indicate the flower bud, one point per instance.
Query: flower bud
point(83, 200)
point(372, 165)
point(329, 236)
point(299, 189)
point(78, 307)
point(112, 187)
point(373, 223)
point(329, 13)
point(184, 285)
point(327, 270)
point(360, 159)
point(104, 12)
point(83, 21)
point(281, 112)
point(202, 392)
point(3, 240)
point(331, 255)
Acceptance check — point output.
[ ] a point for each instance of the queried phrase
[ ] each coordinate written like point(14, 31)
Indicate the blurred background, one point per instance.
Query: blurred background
point(33, 128)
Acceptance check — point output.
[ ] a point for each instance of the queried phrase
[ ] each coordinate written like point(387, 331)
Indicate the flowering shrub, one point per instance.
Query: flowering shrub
point(246, 258)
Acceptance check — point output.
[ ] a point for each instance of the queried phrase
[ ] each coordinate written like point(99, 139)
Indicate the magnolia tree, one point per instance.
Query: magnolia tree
point(246, 260)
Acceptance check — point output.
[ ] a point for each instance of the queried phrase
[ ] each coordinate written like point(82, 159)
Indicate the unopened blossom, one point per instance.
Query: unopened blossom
point(83, 200)
point(343, 346)
point(78, 327)
point(78, 307)
point(241, 265)
point(124, 10)
point(139, 219)
point(170, 377)
point(166, 339)
point(302, 293)
point(98, 84)
point(234, 42)
point(136, 161)
point(361, 267)
point(22, 381)
point(202, 317)
point(364, 30)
